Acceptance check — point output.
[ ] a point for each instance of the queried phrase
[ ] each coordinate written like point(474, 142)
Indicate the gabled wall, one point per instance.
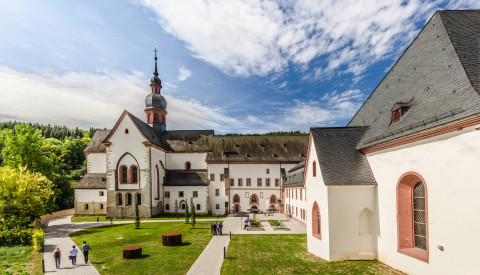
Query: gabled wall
point(317, 192)
point(96, 162)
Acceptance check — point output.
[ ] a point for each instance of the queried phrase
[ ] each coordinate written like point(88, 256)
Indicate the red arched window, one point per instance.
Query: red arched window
point(314, 168)
point(188, 165)
point(236, 199)
point(123, 174)
point(155, 118)
point(412, 216)
point(273, 199)
point(316, 221)
point(254, 199)
point(134, 172)
point(163, 119)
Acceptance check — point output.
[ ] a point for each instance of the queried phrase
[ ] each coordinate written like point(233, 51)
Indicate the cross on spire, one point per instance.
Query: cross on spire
point(155, 73)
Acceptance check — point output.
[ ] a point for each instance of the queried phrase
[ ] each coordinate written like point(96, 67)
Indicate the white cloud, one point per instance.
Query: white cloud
point(258, 37)
point(85, 100)
point(183, 74)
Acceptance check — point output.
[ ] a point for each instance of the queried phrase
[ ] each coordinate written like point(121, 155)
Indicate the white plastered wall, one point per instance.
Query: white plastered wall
point(317, 192)
point(296, 201)
point(157, 160)
point(176, 161)
point(352, 222)
point(96, 162)
point(449, 165)
point(89, 195)
point(217, 169)
point(187, 195)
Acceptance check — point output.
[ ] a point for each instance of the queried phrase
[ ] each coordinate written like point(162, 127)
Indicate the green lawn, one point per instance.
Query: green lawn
point(20, 260)
point(165, 217)
point(287, 254)
point(108, 242)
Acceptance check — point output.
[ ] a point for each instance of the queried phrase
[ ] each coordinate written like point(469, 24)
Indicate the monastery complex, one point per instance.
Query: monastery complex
point(397, 184)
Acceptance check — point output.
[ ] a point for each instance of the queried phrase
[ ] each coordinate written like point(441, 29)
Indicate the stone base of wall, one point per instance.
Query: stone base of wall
point(126, 212)
point(90, 208)
point(62, 213)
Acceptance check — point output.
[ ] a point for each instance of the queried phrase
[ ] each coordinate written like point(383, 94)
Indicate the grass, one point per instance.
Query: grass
point(108, 242)
point(165, 217)
point(20, 260)
point(287, 254)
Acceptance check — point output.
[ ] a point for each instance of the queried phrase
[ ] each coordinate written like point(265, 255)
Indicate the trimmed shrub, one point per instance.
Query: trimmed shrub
point(13, 237)
point(38, 238)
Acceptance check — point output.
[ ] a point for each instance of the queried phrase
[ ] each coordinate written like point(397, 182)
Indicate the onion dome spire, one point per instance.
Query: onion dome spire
point(155, 79)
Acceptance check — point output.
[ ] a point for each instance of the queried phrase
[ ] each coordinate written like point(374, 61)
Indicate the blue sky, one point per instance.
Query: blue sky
point(232, 66)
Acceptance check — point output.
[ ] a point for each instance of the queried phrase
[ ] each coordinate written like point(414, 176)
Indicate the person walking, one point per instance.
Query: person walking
point(73, 255)
point(85, 249)
point(215, 229)
point(211, 228)
point(57, 255)
point(220, 228)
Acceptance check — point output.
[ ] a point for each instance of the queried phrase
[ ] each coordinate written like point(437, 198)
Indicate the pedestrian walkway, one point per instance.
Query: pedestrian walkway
point(56, 234)
point(211, 259)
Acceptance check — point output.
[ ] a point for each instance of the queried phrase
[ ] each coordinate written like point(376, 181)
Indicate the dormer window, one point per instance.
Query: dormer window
point(396, 115)
point(399, 110)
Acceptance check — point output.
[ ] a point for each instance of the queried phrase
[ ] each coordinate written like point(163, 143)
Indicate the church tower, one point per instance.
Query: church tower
point(155, 103)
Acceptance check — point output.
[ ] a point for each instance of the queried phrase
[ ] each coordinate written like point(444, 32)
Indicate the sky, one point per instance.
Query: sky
point(237, 66)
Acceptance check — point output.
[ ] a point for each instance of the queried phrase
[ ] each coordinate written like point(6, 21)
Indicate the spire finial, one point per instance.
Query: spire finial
point(155, 73)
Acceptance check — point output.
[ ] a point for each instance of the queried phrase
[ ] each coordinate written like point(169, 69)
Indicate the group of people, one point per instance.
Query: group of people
point(57, 254)
point(216, 228)
point(247, 223)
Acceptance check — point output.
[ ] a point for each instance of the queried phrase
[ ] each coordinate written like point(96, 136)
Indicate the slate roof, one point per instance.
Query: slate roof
point(193, 177)
point(300, 165)
point(433, 77)
point(92, 181)
point(340, 163)
point(295, 178)
point(96, 143)
point(258, 148)
point(188, 140)
point(150, 134)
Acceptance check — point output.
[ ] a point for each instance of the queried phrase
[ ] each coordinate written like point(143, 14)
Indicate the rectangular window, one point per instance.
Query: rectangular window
point(247, 194)
point(267, 182)
point(259, 181)
point(100, 193)
point(240, 182)
point(268, 171)
point(167, 194)
point(277, 182)
point(249, 182)
point(198, 206)
point(217, 206)
point(232, 182)
point(222, 177)
point(167, 206)
point(261, 194)
point(217, 192)
point(212, 177)
point(195, 194)
point(180, 194)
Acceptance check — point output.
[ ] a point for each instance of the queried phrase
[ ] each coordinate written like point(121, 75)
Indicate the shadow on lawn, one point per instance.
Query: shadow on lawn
point(184, 244)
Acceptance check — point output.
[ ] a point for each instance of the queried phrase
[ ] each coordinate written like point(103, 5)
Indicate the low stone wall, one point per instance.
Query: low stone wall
point(90, 209)
point(62, 213)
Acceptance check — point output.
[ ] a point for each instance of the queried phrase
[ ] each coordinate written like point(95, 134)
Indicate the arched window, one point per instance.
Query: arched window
point(182, 205)
point(314, 168)
point(86, 206)
point(129, 199)
point(123, 174)
point(412, 216)
point(119, 199)
point(134, 174)
point(163, 119)
point(167, 207)
point(198, 206)
point(155, 118)
point(236, 199)
point(254, 199)
point(101, 206)
point(157, 183)
point(139, 199)
point(316, 221)
point(149, 118)
point(273, 199)
point(188, 165)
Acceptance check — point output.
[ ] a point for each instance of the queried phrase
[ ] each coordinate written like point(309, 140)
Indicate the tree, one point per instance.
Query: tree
point(137, 217)
point(176, 208)
point(193, 213)
point(24, 146)
point(187, 213)
point(24, 195)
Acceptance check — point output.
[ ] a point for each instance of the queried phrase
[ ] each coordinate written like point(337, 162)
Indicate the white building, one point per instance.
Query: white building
point(295, 196)
point(163, 171)
point(400, 182)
